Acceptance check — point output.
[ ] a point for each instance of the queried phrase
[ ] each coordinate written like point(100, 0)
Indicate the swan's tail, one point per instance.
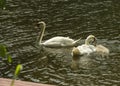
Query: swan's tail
point(77, 42)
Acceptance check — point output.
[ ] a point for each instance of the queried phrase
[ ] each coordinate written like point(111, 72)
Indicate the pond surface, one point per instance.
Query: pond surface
point(73, 18)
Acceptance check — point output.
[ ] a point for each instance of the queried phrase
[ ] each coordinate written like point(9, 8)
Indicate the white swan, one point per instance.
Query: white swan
point(88, 49)
point(57, 41)
point(85, 49)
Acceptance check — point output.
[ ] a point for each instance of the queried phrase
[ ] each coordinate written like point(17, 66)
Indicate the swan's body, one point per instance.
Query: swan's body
point(86, 49)
point(57, 41)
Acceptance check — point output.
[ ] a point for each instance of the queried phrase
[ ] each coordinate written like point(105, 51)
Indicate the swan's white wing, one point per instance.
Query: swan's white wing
point(59, 41)
point(86, 49)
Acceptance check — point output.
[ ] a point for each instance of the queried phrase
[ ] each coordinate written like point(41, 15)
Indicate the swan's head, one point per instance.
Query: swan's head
point(90, 39)
point(41, 24)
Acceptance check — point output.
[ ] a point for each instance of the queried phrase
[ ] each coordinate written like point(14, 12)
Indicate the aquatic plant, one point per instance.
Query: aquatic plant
point(17, 71)
point(4, 55)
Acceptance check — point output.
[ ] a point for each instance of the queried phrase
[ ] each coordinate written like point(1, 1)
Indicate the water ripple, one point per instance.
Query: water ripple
point(63, 18)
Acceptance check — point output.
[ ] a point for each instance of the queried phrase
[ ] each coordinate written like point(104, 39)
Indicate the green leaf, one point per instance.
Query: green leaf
point(3, 51)
point(9, 58)
point(18, 69)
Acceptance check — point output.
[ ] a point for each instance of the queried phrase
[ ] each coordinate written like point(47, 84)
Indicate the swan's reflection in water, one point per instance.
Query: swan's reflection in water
point(62, 57)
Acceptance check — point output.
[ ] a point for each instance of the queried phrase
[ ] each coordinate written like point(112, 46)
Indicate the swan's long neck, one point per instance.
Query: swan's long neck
point(42, 27)
point(89, 39)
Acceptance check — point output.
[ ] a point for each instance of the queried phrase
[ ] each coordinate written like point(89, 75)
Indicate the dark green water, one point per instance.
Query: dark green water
point(73, 18)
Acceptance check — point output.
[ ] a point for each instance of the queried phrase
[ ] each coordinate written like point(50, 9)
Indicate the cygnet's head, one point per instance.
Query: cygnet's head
point(75, 53)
